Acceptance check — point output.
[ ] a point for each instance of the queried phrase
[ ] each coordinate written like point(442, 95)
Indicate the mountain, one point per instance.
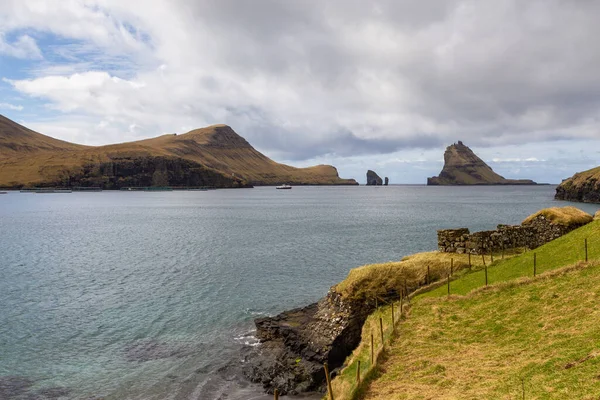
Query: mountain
point(211, 156)
point(463, 167)
point(583, 186)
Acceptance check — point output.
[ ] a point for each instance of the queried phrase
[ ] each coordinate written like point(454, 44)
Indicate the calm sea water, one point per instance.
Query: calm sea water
point(147, 295)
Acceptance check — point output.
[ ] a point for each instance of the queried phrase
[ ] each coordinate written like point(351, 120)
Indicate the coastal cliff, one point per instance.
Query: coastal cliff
point(217, 154)
point(583, 187)
point(296, 343)
point(463, 167)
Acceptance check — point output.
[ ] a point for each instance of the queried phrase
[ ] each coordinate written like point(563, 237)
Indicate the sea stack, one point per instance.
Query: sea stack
point(463, 167)
point(373, 179)
point(386, 181)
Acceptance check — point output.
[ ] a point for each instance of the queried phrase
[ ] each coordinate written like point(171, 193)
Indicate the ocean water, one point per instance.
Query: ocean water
point(145, 295)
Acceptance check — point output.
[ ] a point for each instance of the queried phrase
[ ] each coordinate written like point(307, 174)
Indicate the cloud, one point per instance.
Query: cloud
point(22, 47)
point(9, 106)
point(320, 80)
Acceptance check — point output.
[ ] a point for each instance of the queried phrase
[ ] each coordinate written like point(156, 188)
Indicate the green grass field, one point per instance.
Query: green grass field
point(517, 335)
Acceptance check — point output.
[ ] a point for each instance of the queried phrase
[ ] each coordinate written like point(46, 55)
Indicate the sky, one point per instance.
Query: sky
point(382, 85)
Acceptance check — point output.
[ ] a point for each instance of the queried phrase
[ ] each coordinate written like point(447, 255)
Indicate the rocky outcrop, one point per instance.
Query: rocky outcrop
point(583, 187)
point(296, 343)
point(386, 181)
point(373, 179)
point(463, 167)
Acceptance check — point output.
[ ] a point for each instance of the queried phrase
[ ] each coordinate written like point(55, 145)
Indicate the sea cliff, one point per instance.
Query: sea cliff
point(583, 187)
point(463, 167)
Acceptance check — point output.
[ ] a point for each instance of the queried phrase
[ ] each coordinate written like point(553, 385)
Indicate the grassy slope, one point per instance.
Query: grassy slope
point(482, 346)
point(581, 177)
point(558, 253)
point(29, 157)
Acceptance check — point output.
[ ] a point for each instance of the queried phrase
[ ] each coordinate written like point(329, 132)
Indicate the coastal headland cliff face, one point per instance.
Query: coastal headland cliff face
point(463, 167)
point(583, 187)
point(212, 156)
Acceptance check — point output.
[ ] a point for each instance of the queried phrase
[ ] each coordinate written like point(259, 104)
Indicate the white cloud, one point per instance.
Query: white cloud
point(13, 107)
point(22, 47)
point(321, 80)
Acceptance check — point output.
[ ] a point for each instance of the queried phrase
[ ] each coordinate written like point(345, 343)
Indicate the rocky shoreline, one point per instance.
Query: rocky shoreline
point(296, 343)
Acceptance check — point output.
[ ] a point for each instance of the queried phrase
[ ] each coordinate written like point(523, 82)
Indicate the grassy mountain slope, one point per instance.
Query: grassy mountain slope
point(479, 342)
point(30, 158)
point(583, 186)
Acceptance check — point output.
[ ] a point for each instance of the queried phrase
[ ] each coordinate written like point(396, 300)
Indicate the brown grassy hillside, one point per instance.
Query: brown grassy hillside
point(30, 158)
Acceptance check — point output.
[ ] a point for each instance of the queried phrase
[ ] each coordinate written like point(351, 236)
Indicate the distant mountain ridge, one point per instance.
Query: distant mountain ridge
point(463, 167)
point(211, 156)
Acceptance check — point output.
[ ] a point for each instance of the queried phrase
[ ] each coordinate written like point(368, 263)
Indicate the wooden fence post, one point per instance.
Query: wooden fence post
point(483, 258)
point(401, 305)
point(372, 352)
point(276, 394)
point(381, 329)
point(329, 389)
point(486, 277)
point(358, 373)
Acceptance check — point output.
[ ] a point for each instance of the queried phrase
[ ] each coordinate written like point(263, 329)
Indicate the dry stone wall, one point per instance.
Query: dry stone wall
point(531, 235)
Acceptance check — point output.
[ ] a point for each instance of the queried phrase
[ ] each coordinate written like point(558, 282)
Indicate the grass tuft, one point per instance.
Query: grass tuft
point(566, 216)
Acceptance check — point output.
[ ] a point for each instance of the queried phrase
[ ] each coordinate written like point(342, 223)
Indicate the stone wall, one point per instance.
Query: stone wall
point(530, 235)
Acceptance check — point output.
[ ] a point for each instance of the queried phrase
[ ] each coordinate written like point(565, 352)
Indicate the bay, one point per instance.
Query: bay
point(148, 295)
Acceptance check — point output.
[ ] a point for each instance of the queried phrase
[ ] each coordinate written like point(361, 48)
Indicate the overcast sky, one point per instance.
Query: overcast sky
point(383, 85)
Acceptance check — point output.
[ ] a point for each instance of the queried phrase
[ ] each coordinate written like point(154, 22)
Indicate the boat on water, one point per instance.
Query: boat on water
point(284, 186)
point(3, 192)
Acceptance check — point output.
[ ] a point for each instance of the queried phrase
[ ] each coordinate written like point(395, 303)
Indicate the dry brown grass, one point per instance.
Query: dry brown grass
point(567, 216)
point(376, 280)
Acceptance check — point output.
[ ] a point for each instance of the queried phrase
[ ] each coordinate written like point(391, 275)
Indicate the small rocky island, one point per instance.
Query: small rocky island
point(373, 179)
point(583, 187)
point(463, 167)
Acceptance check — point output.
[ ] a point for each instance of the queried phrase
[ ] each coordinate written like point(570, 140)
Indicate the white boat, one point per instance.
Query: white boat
point(284, 186)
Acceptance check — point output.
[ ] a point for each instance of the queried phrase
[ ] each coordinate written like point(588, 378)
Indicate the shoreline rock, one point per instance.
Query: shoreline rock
point(295, 344)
